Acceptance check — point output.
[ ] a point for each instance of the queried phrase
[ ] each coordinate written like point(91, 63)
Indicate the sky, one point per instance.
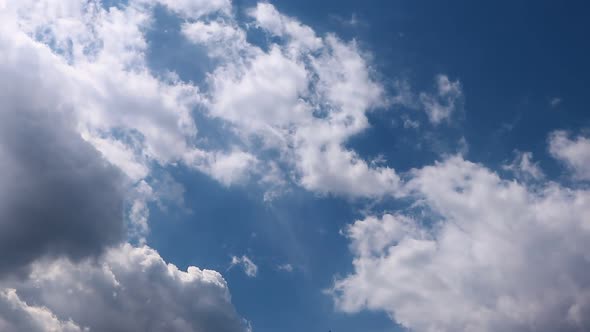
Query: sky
point(244, 165)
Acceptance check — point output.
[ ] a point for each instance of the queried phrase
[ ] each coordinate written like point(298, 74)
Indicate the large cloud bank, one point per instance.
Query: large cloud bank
point(478, 253)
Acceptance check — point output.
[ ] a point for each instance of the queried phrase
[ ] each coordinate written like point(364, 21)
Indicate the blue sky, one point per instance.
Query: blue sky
point(343, 166)
point(511, 62)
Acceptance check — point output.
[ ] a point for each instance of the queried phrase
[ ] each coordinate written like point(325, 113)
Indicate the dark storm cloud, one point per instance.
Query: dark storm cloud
point(58, 196)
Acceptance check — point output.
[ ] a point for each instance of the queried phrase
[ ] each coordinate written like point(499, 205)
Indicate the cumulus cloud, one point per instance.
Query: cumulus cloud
point(441, 105)
point(303, 97)
point(224, 40)
point(485, 254)
point(270, 19)
point(246, 263)
point(574, 153)
point(130, 289)
point(16, 316)
point(82, 122)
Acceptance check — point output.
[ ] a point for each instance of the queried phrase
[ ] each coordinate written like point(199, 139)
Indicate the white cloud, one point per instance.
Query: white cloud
point(440, 106)
point(304, 97)
point(408, 123)
point(121, 155)
point(227, 168)
point(246, 263)
point(270, 19)
point(485, 254)
point(332, 169)
point(223, 38)
point(524, 167)
point(194, 9)
point(130, 289)
point(574, 153)
point(17, 316)
point(285, 267)
point(307, 94)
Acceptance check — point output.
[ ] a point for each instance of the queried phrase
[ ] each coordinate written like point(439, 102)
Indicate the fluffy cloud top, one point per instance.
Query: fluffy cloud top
point(495, 255)
point(16, 316)
point(127, 289)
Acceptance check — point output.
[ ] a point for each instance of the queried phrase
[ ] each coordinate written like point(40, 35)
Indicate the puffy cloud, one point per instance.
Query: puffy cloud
point(130, 289)
point(226, 167)
point(16, 316)
point(440, 106)
point(223, 39)
point(304, 98)
point(484, 254)
point(267, 17)
point(246, 263)
point(332, 169)
point(574, 153)
point(262, 95)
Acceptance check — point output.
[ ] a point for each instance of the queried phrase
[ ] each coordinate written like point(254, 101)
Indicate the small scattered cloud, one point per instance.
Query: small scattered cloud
point(555, 102)
point(285, 267)
point(353, 21)
point(441, 105)
point(523, 167)
point(411, 124)
point(246, 264)
point(462, 146)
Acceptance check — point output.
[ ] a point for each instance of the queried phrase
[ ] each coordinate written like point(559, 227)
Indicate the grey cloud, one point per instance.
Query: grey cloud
point(16, 316)
point(58, 196)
